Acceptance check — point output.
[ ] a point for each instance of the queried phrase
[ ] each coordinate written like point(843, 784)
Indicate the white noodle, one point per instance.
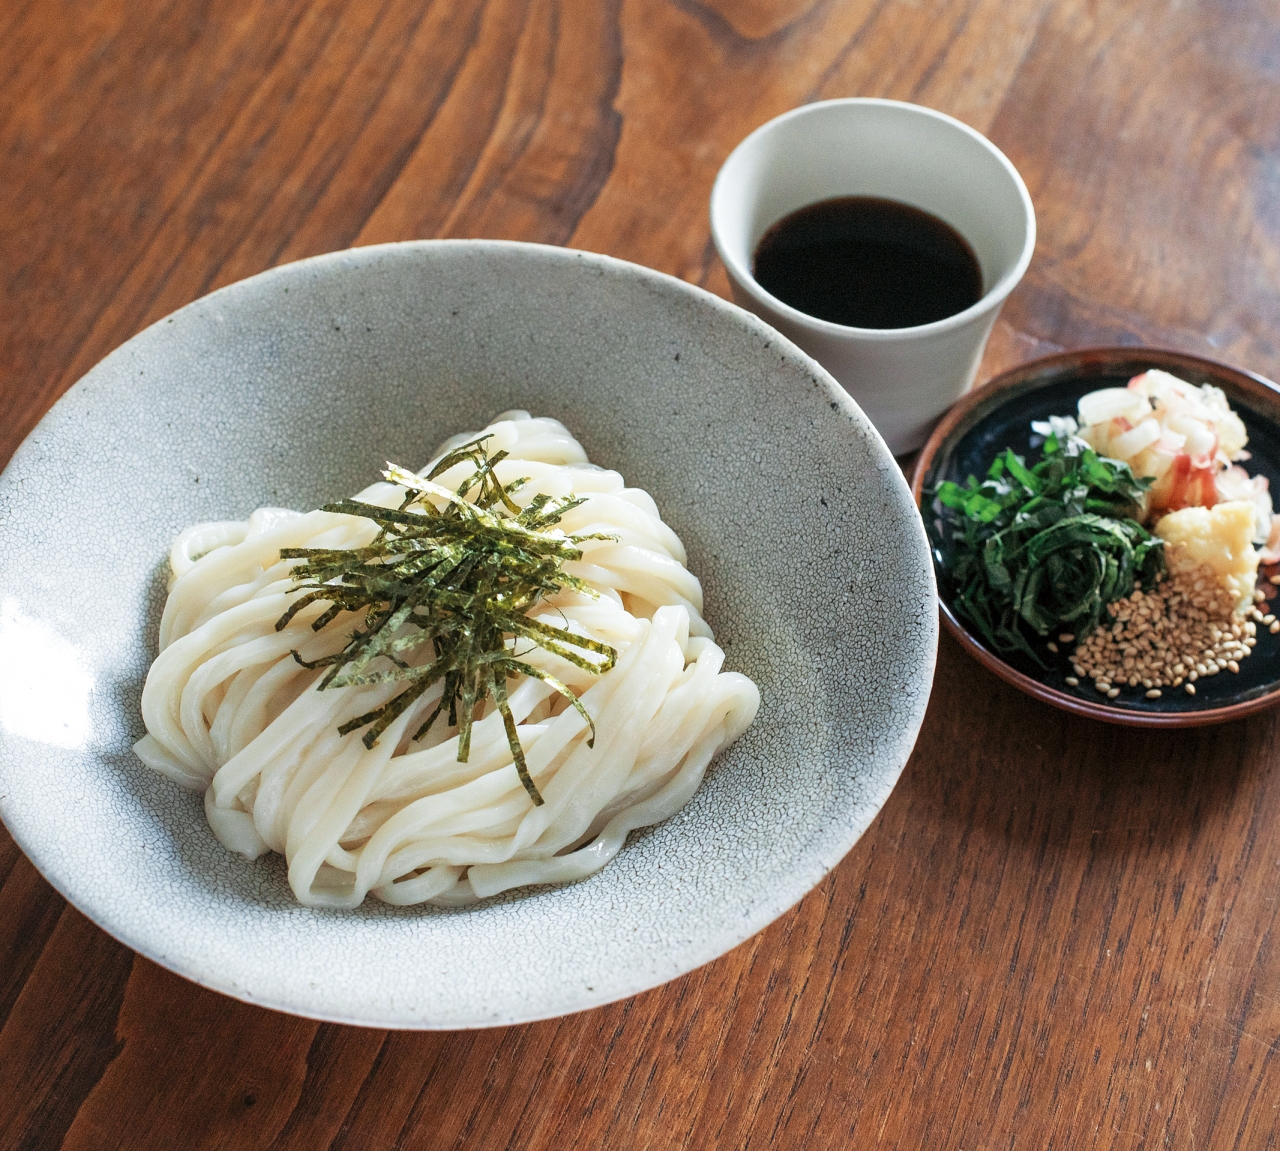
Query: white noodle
point(230, 712)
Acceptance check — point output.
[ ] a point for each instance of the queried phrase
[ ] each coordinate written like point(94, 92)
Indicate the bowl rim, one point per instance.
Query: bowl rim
point(1027, 377)
point(800, 880)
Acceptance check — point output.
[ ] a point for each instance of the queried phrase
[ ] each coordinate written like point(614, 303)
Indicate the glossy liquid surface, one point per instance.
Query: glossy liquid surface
point(868, 263)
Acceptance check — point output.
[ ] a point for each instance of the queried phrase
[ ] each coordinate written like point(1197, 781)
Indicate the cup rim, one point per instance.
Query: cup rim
point(990, 300)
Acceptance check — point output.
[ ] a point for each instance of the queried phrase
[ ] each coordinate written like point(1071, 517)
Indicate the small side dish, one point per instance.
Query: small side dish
point(1127, 556)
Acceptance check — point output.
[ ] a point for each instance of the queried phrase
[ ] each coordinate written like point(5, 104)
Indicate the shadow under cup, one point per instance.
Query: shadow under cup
point(903, 378)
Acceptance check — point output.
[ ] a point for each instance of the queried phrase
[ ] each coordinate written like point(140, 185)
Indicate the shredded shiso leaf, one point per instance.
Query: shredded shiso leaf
point(456, 584)
point(1033, 550)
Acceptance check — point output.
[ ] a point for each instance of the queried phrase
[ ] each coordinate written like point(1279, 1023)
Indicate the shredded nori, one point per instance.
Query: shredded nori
point(1030, 551)
point(462, 580)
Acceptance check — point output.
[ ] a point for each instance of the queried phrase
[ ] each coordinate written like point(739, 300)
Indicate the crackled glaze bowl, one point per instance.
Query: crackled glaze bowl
point(293, 387)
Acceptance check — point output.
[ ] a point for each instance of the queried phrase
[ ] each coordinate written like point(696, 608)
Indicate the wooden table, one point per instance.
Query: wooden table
point(1056, 934)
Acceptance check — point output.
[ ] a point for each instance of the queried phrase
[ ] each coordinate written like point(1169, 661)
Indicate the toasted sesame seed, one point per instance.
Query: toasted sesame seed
point(1170, 635)
point(1053, 647)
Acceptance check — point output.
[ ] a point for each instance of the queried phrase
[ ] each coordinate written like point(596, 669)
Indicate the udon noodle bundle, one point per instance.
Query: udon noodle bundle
point(232, 712)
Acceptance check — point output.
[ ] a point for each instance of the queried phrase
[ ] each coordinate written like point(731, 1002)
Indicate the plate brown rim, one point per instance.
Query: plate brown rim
point(1037, 373)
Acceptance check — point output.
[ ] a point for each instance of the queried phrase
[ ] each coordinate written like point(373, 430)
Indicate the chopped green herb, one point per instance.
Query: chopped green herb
point(1032, 550)
point(457, 585)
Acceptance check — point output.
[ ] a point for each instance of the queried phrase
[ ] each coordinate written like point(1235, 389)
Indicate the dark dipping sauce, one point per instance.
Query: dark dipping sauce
point(868, 263)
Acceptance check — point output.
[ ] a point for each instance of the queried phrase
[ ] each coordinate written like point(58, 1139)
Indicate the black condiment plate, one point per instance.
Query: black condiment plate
point(999, 415)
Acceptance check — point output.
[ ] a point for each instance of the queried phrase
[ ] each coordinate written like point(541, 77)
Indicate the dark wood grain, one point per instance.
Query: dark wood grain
point(1055, 934)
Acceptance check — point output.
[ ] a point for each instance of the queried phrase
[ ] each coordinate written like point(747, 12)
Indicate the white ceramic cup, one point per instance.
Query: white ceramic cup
point(903, 378)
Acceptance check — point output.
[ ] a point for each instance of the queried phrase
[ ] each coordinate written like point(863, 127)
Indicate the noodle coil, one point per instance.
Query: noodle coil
point(231, 713)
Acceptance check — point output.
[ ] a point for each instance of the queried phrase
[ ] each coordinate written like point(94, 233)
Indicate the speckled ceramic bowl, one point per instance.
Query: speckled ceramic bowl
point(295, 386)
